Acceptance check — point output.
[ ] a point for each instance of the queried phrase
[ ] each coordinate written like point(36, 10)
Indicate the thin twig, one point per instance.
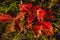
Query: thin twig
point(21, 1)
point(56, 26)
point(17, 35)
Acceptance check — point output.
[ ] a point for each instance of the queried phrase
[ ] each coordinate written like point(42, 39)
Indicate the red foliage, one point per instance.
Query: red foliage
point(47, 24)
point(41, 14)
point(37, 29)
point(49, 31)
point(49, 14)
point(29, 25)
point(25, 6)
point(29, 6)
point(4, 18)
point(30, 17)
point(46, 27)
point(40, 24)
point(35, 8)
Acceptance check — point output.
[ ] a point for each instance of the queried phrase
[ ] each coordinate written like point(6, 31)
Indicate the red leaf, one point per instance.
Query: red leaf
point(29, 5)
point(4, 18)
point(40, 14)
point(25, 6)
point(29, 25)
point(47, 28)
point(30, 17)
point(47, 24)
point(48, 32)
point(35, 8)
point(22, 6)
point(38, 23)
point(37, 29)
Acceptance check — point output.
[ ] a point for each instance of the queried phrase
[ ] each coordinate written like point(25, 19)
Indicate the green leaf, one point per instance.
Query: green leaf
point(41, 38)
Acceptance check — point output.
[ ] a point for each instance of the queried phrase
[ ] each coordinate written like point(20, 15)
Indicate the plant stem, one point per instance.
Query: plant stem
point(17, 35)
point(21, 1)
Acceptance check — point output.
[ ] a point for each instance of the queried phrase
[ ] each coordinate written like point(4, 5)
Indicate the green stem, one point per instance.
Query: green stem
point(56, 26)
point(17, 35)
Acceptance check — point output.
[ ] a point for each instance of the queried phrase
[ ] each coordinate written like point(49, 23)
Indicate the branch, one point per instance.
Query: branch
point(56, 26)
point(21, 1)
